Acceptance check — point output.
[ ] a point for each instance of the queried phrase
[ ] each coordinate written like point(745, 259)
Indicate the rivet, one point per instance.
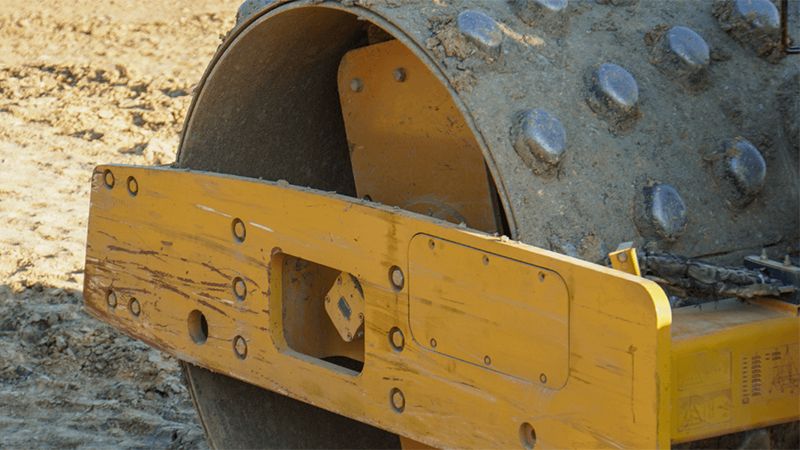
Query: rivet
point(396, 339)
point(539, 139)
point(356, 85)
point(487, 360)
point(759, 13)
point(741, 165)
point(683, 55)
point(239, 230)
point(239, 289)
point(399, 74)
point(397, 399)
point(134, 307)
point(753, 23)
point(689, 46)
point(108, 178)
point(396, 277)
point(481, 30)
point(133, 186)
point(240, 347)
point(614, 96)
point(111, 299)
point(660, 212)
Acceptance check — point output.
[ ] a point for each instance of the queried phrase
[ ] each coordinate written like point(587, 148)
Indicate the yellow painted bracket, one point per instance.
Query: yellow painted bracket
point(469, 340)
point(624, 258)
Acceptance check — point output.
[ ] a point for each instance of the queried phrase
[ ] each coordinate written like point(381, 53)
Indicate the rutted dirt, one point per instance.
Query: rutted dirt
point(84, 83)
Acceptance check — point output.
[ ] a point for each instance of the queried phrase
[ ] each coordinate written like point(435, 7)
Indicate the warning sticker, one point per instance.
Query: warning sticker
point(702, 410)
point(770, 373)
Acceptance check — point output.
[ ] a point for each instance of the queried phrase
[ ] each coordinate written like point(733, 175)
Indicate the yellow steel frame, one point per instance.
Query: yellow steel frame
point(533, 343)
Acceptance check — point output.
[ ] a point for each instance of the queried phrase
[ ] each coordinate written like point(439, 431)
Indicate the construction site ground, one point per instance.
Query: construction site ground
point(83, 83)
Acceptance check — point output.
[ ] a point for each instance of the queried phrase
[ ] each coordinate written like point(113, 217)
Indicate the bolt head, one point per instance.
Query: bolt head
point(239, 288)
point(759, 13)
point(661, 213)
point(399, 74)
point(396, 339)
point(398, 400)
point(108, 178)
point(616, 85)
point(481, 30)
point(239, 230)
point(240, 347)
point(133, 186)
point(540, 140)
point(135, 307)
point(397, 277)
point(356, 85)
point(111, 299)
point(745, 168)
point(690, 48)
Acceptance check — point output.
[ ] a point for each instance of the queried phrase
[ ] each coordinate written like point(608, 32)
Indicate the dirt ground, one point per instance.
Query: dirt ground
point(84, 83)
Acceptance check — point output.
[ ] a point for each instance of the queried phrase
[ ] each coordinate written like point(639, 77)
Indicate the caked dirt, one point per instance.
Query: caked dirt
point(84, 83)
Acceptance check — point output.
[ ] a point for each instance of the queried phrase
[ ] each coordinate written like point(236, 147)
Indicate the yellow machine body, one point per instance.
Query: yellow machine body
point(469, 340)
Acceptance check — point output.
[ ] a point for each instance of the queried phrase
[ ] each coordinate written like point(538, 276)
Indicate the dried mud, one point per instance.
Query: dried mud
point(84, 83)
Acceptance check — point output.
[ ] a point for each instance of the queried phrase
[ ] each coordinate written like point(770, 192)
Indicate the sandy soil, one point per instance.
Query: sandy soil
point(84, 83)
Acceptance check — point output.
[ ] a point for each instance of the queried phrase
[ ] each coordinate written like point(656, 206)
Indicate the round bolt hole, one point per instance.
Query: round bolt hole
point(111, 299)
point(433, 343)
point(527, 436)
point(108, 178)
point(239, 289)
point(399, 74)
point(133, 186)
point(542, 276)
point(240, 347)
point(198, 327)
point(543, 378)
point(431, 244)
point(396, 339)
point(485, 260)
point(397, 399)
point(239, 231)
point(487, 360)
point(356, 85)
point(622, 257)
point(135, 307)
point(396, 277)
point(367, 198)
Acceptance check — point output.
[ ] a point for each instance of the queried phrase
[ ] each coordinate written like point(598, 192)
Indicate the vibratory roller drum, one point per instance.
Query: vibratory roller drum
point(573, 126)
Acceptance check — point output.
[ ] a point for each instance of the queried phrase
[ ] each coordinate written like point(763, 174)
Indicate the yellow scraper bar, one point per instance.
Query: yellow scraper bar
point(468, 340)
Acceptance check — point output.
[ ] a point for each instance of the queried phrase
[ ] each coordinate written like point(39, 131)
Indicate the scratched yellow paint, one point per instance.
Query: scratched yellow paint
point(173, 249)
point(736, 366)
